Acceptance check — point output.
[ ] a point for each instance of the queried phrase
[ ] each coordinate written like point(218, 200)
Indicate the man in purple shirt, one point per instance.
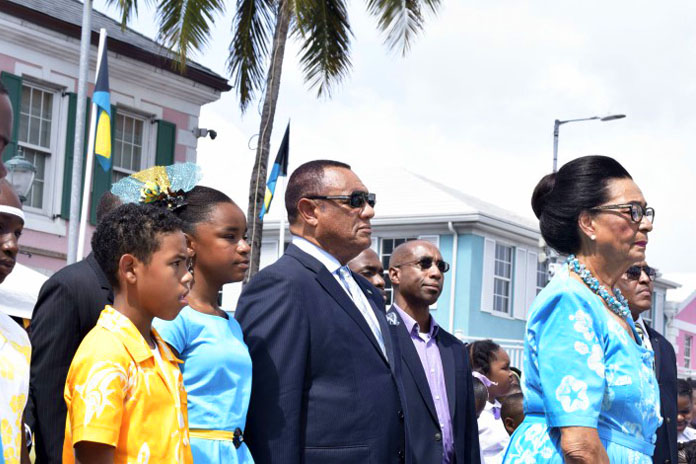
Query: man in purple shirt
point(436, 377)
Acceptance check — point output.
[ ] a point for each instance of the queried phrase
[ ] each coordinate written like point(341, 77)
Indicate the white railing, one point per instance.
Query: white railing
point(514, 348)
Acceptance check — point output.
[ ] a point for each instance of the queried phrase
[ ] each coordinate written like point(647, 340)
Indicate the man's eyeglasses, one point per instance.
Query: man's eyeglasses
point(355, 199)
point(637, 211)
point(634, 272)
point(427, 262)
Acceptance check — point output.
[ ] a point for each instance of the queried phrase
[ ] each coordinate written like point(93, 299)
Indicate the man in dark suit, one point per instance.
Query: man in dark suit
point(435, 373)
point(68, 307)
point(637, 286)
point(368, 265)
point(324, 390)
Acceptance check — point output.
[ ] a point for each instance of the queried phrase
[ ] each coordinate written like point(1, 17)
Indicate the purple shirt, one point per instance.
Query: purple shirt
point(429, 354)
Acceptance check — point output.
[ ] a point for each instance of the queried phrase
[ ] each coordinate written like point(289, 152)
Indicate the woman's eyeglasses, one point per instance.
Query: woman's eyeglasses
point(634, 272)
point(637, 211)
point(355, 199)
point(426, 263)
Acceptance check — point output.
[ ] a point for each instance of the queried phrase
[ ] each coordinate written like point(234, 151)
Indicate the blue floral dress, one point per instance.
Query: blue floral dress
point(581, 368)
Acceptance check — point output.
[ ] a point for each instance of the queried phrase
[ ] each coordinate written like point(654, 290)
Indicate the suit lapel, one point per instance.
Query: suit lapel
point(656, 348)
point(448, 366)
point(414, 364)
point(379, 313)
point(334, 289)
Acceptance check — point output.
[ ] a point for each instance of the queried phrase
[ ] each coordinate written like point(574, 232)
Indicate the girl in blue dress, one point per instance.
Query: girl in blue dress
point(217, 365)
point(590, 391)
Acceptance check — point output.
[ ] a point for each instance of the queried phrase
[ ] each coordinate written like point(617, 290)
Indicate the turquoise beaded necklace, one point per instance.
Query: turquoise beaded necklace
point(617, 305)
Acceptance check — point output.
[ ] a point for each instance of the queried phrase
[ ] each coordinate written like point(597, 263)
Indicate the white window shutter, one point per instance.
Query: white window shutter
point(658, 312)
point(487, 279)
point(519, 287)
point(375, 245)
point(532, 260)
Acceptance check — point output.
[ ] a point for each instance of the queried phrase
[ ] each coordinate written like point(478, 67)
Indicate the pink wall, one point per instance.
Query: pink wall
point(688, 315)
point(182, 122)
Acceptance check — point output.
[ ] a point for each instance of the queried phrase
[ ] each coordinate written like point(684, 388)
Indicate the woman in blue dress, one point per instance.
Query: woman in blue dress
point(217, 365)
point(590, 391)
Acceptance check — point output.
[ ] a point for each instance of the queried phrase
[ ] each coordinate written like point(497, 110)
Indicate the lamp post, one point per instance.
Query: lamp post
point(20, 173)
point(557, 124)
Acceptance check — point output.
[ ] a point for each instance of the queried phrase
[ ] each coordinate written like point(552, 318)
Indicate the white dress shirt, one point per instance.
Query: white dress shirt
point(687, 435)
point(493, 438)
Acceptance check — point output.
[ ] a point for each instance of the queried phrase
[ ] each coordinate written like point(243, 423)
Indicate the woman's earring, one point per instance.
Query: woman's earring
point(593, 237)
point(189, 266)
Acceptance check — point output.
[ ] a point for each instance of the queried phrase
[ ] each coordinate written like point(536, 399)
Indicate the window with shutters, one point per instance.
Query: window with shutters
point(687, 351)
point(128, 151)
point(37, 139)
point(502, 282)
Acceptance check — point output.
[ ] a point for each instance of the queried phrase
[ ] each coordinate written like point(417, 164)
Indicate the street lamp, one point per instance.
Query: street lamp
point(20, 173)
point(557, 124)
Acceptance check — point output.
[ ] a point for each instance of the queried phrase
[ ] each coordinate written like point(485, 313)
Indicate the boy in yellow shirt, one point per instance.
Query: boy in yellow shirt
point(124, 391)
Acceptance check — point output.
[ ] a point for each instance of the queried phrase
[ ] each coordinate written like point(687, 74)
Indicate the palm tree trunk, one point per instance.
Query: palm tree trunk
point(257, 187)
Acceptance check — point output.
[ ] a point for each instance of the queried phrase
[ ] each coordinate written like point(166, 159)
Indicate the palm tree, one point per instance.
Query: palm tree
point(255, 61)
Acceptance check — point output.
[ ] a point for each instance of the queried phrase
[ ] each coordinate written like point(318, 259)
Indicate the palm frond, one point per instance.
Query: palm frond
point(128, 8)
point(185, 24)
point(252, 29)
point(402, 20)
point(324, 28)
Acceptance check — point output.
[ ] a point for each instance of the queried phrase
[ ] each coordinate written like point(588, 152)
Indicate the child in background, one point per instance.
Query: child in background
point(512, 411)
point(124, 392)
point(490, 360)
point(480, 395)
point(684, 406)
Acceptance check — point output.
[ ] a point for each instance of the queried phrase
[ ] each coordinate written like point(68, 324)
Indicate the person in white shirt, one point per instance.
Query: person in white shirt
point(489, 359)
point(684, 432)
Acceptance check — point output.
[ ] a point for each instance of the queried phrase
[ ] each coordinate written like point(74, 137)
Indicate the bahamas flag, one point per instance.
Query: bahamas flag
point(102, 100)
point(280, 168)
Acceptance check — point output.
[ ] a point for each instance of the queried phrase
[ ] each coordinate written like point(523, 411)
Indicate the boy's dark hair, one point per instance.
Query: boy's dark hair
point(684, 388)
point(133, 229)
point(107, 203)
point(198, 203)
point(512, 404)
point(480, 393)
point(481, 354)
point(308, 179)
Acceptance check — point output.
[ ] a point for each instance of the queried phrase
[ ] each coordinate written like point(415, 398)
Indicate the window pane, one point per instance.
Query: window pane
point(45, 134)
point(23, 128)
point(128, 130)
point(26, 99)
point(47, 106)
point(34, 124)
point(136, 158)
point(35, 195)
point(138, 132)
point(35, 104)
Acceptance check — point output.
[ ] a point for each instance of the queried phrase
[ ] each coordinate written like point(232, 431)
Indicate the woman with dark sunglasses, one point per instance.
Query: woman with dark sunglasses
point(590, 391)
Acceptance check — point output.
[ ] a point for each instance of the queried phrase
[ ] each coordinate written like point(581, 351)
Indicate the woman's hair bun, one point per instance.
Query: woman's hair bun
point(542, 192)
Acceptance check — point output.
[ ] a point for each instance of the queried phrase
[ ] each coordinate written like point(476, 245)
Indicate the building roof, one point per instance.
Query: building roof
point(404, 197)
point(65, 16)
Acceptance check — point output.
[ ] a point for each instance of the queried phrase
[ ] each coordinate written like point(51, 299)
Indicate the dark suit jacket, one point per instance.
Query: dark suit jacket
point(68, 307)
point(666, 370)
point(322, 391)
point(422, 421)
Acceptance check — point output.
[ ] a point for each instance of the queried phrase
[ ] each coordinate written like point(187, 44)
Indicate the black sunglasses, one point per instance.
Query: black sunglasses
point(637, 211)
point(427, 262)
point(634, 272)
point(355, 199)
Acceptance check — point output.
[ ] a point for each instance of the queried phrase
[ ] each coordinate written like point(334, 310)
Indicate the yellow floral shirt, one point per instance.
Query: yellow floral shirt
point(118, 394)
point(15, 355)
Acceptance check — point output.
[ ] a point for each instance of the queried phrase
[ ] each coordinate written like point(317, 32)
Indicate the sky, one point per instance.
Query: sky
point(472, 105)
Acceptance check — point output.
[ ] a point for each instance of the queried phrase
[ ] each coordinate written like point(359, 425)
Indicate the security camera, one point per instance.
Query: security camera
point(203, 132)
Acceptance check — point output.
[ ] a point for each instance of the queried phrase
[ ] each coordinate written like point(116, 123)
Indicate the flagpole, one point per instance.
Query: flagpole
point(90, 158)
point(78, 146)
point(281, 244)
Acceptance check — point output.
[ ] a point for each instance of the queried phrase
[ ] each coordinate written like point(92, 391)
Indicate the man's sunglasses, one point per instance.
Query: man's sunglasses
point(355, 199)
point(634, 272)
point(427, 262)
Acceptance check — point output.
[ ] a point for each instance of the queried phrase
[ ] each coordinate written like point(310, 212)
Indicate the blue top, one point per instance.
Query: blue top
point(582, 368)
point(217, 379)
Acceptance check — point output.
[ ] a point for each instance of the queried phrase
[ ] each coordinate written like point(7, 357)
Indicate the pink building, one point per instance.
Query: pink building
point(685, 325)
point(154, 110)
